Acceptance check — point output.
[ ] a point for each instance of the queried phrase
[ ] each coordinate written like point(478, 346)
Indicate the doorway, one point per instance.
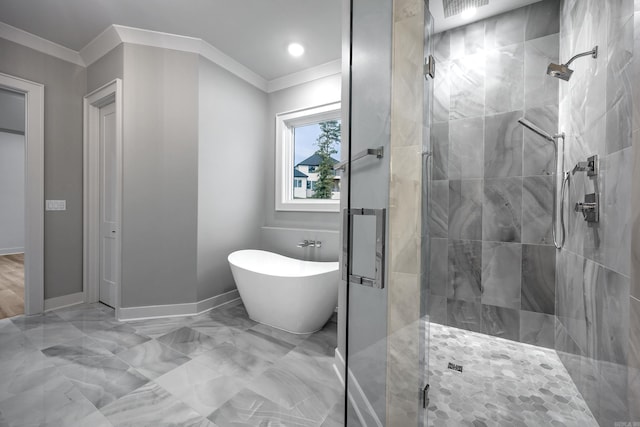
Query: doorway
point(102, 194)
point(22, 162)
point(12, 179)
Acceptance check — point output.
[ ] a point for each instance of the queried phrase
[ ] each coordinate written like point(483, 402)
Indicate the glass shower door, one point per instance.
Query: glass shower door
point(387, 327)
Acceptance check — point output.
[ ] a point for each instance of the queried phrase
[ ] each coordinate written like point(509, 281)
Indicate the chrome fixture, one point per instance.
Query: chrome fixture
point(378, 152)
point(589, 208)
point(591, 166)
point(429, 68)
point(310, 243)
point(380, 252)
point(526, 123)
point(554, 139)
point(562, 71)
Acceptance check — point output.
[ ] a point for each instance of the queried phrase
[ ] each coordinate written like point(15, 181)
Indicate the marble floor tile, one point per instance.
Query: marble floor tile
point(91, 360)
point(55, 401)
point(324, 341)
point(47, 335)
point(76, 350)
point(309, 398)
point(266, 346)
point(151, 405)
point(103, 380)
point(153, 358)
point(234, 316)
point(228, 359)
point(202, 388)
point(118, 338)
point(33, 371)
point(188, 341)
point(249, 409)
point(155, 328)
point(94, 419)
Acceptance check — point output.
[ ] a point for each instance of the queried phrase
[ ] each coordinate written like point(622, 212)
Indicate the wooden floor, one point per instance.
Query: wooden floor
point(11, 285)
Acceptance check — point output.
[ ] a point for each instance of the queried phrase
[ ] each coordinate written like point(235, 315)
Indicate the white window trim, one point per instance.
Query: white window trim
point(285, 122)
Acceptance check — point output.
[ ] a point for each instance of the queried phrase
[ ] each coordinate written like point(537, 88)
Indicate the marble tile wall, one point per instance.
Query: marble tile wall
point(597, 327)
point(492, 260)
point(405, 227)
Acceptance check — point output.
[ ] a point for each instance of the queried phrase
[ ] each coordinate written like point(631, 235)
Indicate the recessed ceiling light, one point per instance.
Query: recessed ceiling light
point(295, 49)
point(468, 13)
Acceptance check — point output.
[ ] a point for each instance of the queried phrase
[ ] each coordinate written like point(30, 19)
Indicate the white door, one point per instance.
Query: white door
point(109, 226)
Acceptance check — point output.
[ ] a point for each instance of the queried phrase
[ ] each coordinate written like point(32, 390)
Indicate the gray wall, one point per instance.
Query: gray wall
point(106, 69)
point(65, 85)
point(160, 176)
point(597, 328)
point(231, 151)
point(492, 264)
point(12, 111)
point(12, 192)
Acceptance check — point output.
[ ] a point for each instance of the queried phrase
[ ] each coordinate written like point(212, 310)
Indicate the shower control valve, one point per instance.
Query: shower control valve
point(591, 166)
point(589, 208)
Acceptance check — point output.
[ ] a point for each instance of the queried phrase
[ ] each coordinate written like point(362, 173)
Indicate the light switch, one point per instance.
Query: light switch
point(56, 205)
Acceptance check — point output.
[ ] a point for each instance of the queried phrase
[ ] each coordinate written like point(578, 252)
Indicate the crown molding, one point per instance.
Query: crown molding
point(115, 35)
point(34, 42)
point(101, 45)
point(310, 74)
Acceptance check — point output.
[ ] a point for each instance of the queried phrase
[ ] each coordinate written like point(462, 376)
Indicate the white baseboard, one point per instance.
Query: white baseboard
point(63, 301)
point(11, 251)
point(176, 310)
point(358, 399)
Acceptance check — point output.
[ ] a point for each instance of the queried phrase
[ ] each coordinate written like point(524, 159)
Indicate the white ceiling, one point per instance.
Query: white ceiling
point(253, 32)
point(495, 7)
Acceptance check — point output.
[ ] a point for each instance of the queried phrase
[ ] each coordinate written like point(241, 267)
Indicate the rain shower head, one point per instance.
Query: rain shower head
point(526, 123)
point(562, 71)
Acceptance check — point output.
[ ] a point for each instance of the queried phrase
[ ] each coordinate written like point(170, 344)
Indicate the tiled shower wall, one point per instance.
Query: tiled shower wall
point(492, 266)
point(595, 337)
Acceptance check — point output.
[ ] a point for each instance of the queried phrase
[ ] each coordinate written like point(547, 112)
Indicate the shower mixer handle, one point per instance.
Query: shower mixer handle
point(589, 208)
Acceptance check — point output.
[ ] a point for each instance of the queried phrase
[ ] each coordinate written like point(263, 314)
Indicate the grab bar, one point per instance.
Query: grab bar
point(378, 152)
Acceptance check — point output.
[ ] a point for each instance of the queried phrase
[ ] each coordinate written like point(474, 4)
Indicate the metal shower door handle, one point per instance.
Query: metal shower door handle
point(347, 247)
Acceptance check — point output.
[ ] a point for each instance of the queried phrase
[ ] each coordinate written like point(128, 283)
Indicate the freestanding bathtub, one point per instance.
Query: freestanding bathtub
point(289, 294)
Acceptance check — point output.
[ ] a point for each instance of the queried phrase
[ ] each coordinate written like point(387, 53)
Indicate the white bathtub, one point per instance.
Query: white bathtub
point(289, 294)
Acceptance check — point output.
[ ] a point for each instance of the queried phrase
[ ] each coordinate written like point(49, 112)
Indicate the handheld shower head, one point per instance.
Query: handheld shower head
point(562, 71)
point(526, 123)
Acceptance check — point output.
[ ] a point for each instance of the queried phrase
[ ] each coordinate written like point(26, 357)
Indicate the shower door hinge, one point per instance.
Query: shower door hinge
point(425, 396)
point(430, 67)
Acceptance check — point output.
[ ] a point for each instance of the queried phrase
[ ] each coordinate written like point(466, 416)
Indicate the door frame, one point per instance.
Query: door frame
point(111, 92)
point(34, 190)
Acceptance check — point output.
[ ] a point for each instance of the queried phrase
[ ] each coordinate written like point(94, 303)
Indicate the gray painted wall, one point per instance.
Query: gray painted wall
point(160, 176)
point(12, 192)
point(231, 152)
point(106, 69)
point(65, 85)
point(12, 111)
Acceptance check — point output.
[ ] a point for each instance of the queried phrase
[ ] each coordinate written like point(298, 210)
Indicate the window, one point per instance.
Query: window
point(307, 148)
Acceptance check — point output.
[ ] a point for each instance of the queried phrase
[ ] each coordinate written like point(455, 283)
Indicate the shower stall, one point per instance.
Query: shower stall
point(488, 273)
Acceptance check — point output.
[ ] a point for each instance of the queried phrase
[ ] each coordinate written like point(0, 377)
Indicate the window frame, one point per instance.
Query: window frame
point(285, 125)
